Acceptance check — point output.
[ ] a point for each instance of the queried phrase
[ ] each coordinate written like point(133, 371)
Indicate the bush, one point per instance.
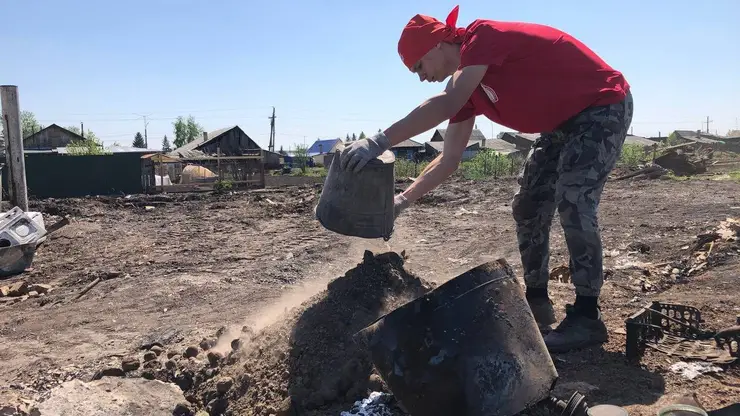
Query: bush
point(408, 168)
point(491, 164)
point(306, 171)
point(223, 186)
point(634, 155)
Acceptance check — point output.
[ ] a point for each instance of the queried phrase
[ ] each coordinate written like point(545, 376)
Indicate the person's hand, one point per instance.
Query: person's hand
point(400, 203)
point(355, 156)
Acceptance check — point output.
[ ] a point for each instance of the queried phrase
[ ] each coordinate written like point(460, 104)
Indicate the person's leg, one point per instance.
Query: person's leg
point(533, 208)
point(585, 163)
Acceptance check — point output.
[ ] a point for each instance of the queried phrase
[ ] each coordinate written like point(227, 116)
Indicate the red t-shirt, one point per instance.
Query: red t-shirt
point(537, 78)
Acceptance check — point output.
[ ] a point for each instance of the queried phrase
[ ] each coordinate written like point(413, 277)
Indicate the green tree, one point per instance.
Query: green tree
point(89, 146)
point(166, 145)
point(362, 135)
point(139, 141)
point(354, 137)
point(29, 125)
point(300, 157)
point(186, 130)
point(88, 134)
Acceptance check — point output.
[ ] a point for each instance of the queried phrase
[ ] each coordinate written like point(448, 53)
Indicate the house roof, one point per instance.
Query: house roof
point(323, 146)
point(698, 137)
point(408, 144)
point(630, 139)
point(498, 145)
point(55, 126)
point(475, 135)
point(509, 148)
point(126, 149)
point(531, 137)
point(190, 149)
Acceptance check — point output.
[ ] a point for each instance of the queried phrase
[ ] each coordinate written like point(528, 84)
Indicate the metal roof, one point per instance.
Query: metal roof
point(322, 146)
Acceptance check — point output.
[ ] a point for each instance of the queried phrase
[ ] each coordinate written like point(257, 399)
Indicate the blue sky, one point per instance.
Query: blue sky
point(331, 67)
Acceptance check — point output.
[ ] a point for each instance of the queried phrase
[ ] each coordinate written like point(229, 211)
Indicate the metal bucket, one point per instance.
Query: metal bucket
point(471, 347)
point(359, 204)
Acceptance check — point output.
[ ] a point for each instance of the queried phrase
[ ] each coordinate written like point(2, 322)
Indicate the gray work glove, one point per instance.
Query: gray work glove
point(355, 156)
point(400, 203)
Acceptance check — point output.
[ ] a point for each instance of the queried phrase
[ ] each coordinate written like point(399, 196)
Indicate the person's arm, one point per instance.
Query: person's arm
point(439, 108)
point(444, 165)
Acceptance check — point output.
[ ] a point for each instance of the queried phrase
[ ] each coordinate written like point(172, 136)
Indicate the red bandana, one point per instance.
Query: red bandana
point(422, 33)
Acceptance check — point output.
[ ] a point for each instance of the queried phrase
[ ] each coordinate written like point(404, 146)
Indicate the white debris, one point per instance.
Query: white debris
point(694, 369)
point(374, 405)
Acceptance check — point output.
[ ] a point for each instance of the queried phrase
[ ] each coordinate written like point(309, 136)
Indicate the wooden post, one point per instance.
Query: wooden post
point(218, 163)
point(14, 146)
point(161, 174)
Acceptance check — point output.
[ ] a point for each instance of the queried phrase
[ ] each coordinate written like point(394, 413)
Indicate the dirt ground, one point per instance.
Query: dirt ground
point(176, 273)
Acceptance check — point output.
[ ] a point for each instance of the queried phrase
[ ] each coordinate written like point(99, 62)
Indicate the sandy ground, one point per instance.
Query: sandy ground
point(195, 263)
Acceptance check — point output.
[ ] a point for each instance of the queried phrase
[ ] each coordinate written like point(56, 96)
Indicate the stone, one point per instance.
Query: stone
point(161, 337)
point(130, 364)
point(18, 289)
point(170, 365)
point(207, 343)
point(109, 372)
point(223, 385)
point(172, 354)
point(112, 396)
point(33, 294)
point(39, 287)
point(156, 349)
point(149, 356)
point(285, 408)
point(182, 409)
point(4, 291)
point(214, 358)
point(191, 352)
point(220, 332)
point(148, 374)
point(8, 411)
point(217, 406)
point(153, 364)
point(236, 344)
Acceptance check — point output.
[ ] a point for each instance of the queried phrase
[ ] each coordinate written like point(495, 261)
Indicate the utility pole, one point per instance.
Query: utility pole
point(14, 146)
point(146, 123)
point(82, 129)
point(271, 145)
point(708, 121)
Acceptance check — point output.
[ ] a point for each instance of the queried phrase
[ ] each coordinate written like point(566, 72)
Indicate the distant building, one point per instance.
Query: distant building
point(476, 143)
point(408, 149)
point(685, 136)
point(320, 147)
point(51, 137)
point(522, 141)
point(638, 140)
point(229, 141)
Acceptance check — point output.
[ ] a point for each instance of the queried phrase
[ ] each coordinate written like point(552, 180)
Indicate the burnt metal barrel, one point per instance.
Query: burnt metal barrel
point(471, 347)
point(359, 204)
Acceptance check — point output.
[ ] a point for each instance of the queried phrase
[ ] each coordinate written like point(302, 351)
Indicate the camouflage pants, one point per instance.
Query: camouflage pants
point(566, 169)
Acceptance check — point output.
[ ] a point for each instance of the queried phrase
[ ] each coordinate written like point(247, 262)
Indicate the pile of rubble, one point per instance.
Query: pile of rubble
point(682, 160)
point(20, 291)
point(305, 364)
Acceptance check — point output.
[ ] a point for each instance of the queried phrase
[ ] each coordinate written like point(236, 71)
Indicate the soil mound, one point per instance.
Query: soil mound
point(308, 364)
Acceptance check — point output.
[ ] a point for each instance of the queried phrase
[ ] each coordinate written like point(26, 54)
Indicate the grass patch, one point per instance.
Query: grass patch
point(673, 176)
point(408, 169)
point(634, 155)
point(491, 164)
